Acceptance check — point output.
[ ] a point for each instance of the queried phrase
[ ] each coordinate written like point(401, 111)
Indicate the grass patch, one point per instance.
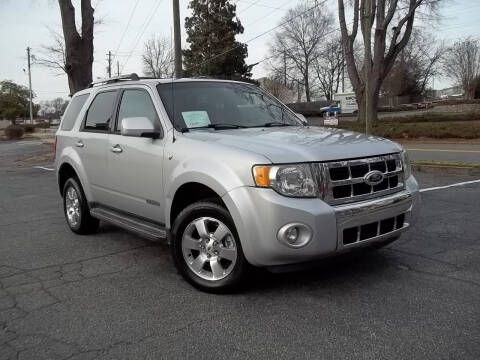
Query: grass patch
point(446, 163)
point(429, 116)
point(409, 130)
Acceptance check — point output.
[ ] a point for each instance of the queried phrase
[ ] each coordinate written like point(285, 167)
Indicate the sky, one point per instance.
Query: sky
point(28, 23)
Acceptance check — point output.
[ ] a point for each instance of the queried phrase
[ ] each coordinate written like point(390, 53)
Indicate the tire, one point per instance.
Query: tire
point(211, 259)
point(75, 208)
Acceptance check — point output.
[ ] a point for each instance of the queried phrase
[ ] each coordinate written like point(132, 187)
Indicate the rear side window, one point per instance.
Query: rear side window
point(136, 103)
point(72, 112)
point(100, 112)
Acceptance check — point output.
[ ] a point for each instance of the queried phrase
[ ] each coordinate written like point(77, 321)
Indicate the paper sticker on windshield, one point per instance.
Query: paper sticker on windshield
point(195, 118)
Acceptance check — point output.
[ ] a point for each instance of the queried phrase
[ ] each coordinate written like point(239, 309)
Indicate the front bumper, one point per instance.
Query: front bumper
point(259, 213)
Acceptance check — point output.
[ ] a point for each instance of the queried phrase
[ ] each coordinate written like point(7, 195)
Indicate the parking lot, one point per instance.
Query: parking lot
point(115, 295)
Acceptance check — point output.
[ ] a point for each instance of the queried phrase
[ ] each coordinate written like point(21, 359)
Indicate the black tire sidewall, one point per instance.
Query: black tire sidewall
point(86, 224)
point(207, 209)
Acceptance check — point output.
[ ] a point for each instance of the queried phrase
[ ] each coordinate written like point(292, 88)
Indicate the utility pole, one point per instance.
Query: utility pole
point(30, 85)
point(118, 68)
point(177, 40)
point(284, 67)
point(109, 69)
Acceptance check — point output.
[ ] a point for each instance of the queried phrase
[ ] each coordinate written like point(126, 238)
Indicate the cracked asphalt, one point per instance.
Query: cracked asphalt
point(115, 295)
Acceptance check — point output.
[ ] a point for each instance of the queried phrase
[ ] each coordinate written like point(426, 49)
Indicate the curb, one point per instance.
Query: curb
point(447, 169)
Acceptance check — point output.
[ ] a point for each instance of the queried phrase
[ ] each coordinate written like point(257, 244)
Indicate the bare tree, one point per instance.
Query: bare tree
point(53, 55)
point(278, 89)
point(415, 66)
point(328, 65)
point(462, 64)
point(367, 79)
point(78, 47)
point(295, 45)
point(157, 58)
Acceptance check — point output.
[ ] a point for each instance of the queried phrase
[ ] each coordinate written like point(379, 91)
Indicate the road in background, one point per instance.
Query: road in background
point(318, 120)
point(467, 153)
point(115, 295)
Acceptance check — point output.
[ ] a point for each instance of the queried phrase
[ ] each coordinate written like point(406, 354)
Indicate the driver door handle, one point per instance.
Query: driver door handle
point(79, 144)
point(116, 149)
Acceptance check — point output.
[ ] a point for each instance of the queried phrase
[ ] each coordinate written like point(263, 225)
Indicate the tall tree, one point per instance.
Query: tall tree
point(414, 67)
point(462, 64)
point(78, 46)
point(157, 58)
point(367, 78)
point(211, 32)
point(14, 100)
point(297, 43)
point(329, 66)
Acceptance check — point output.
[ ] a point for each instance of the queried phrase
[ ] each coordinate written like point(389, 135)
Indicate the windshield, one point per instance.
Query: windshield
point(222, 105)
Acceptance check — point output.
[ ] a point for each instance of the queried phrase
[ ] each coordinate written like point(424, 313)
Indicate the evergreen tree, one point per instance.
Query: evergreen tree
point(211, 32)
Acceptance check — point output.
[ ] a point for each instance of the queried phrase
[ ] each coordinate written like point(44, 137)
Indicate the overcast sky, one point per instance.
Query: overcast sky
point(26, 23)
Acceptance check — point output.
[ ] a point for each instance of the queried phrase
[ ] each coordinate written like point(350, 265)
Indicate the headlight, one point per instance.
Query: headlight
point(294, 180)
point(406, 165)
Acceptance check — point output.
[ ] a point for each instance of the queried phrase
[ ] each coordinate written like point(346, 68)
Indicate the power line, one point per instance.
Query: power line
point(146, 24)
point(270, 13)
point(248, 7)
point(126, 27)
point(262, 5)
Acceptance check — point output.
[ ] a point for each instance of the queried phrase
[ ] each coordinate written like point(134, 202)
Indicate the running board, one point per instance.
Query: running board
point(142, 227)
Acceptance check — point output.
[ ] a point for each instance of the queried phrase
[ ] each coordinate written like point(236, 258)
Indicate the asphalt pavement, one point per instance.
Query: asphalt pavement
point(115, 295)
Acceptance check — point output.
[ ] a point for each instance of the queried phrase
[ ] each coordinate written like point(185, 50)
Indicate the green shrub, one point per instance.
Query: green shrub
point(14, 132)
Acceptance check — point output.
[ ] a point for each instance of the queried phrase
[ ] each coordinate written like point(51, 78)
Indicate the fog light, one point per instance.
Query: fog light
point(295, 235)
point(291, 235)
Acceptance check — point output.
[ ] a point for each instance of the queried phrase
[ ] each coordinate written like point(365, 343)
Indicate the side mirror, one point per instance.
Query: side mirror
point(302, 118)
point(139, 127)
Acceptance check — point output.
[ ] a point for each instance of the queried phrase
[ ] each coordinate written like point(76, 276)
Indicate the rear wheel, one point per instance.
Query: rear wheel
point(76, 209)
point(206, 249)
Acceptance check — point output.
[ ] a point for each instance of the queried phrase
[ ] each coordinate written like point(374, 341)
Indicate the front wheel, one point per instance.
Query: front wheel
point(76, 209)
point(206, 249)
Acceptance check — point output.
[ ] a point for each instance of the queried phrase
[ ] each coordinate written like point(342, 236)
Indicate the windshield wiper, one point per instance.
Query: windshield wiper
point(216, 127)
point(274, 123)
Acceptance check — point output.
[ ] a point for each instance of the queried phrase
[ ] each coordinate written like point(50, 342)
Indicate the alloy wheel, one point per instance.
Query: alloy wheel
point(209, 249)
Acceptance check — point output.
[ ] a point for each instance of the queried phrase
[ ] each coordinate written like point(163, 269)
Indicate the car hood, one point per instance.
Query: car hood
point(299, 143)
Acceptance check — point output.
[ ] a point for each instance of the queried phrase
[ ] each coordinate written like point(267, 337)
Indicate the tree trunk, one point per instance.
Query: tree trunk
point(307, 86)
point(377, 64)
point(78, 48)
point(368, 109)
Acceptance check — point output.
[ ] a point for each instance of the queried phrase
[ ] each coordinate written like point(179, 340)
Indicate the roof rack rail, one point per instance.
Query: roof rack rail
point(132, 77)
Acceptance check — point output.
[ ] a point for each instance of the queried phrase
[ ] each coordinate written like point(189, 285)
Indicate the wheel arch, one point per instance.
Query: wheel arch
point(187, 194)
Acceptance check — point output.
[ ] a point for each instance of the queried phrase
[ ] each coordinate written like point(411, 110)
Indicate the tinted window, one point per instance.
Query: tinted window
point(136, 103)
point(100, 112)
point(72, 111)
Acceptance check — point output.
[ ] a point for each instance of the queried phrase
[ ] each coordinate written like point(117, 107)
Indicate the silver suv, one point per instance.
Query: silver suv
point(228, 174)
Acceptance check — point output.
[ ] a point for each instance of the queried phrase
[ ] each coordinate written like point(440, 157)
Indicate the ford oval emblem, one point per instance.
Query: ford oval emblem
point(373, 177)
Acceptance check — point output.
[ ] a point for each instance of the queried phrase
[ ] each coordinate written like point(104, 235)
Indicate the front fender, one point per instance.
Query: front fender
point(220, 179)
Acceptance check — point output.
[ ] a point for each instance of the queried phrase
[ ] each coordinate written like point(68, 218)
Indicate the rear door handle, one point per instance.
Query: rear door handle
point(79, 144)
point(116, 149)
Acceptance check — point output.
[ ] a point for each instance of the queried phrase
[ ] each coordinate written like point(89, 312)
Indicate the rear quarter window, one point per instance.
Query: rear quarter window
point(72, 112)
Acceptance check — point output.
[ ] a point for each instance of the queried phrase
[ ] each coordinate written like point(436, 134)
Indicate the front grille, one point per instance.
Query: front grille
point(343, 181)
point(374, 229)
